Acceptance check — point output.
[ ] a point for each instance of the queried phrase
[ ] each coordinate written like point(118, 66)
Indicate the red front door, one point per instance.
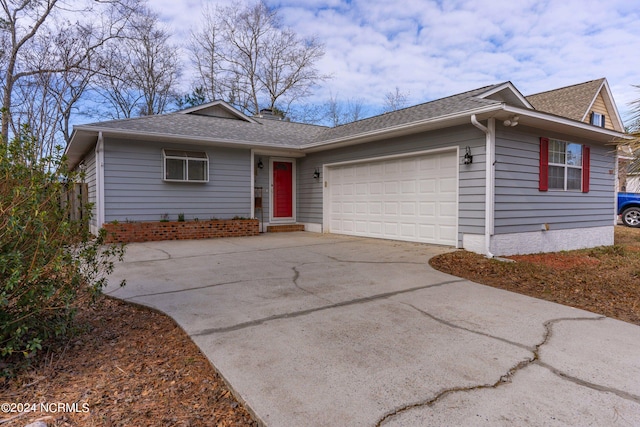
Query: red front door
point(282, 190)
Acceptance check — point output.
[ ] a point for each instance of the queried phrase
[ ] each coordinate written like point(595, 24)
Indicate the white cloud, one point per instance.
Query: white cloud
point(438, 48)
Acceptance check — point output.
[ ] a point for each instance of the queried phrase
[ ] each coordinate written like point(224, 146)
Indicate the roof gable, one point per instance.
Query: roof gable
point(577, 102)
point(507, 93)
point(218, 109)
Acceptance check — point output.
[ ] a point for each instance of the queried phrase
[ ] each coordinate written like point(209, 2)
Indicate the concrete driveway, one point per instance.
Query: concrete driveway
point(324, 330)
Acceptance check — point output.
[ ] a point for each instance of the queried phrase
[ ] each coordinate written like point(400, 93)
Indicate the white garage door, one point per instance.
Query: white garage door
point(408, 198)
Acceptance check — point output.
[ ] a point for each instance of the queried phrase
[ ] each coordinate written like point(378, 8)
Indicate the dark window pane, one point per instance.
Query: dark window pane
point(574, 179)
point(197, 170)
point(174, 169)
point(556, 177)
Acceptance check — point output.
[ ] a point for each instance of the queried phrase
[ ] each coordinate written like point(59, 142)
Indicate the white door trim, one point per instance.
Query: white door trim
point(294, 191)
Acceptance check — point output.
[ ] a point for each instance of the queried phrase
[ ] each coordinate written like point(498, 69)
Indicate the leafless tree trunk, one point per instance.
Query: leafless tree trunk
point(246, 57)
point(338, 113)
point(395, 100)
point(204, 48)
point(46, 59)
point(141, 71)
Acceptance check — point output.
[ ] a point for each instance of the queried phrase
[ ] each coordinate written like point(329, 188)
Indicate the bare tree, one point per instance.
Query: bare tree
point(204, 48)
point(339, 113)
point(246, 57)
point(395, 100)
point(140, 71)
point(43, 53)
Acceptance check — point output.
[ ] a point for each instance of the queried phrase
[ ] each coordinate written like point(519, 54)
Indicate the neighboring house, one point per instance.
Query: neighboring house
point(482, 170)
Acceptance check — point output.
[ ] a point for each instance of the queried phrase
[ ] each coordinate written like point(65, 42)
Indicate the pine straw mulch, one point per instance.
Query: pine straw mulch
point(132, 366)
point(136, 367)
point(603, 280)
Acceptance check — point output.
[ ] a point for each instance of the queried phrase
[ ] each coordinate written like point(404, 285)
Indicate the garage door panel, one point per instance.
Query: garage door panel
point(408, 208)
point(408, 186)
point(407, 230)
point(448, 185)
point(411, 198)
point(428, 186)
point(391, 187)
point(427, 232)
point(390, 229)
point(375, 228)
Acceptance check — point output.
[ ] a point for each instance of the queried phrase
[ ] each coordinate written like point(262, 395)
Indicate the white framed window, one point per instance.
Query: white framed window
point(185, 166)
point(597, 119)
point(565, 165)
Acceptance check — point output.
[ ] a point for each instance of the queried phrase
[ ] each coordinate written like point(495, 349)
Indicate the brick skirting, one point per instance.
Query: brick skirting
point(284, 228)
point(126, 232)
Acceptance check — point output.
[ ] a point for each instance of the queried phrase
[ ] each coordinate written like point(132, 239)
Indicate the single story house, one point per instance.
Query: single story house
point(488, 170)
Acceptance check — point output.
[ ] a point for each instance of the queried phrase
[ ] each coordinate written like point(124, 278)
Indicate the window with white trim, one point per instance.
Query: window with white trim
point(565, 165)
point(597, 119)
point(185, 166)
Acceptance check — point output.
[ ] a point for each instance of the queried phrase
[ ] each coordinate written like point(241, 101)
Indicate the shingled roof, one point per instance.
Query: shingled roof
point(461, 102)
point(278, 133)
point(220, 123)
point(572, 102)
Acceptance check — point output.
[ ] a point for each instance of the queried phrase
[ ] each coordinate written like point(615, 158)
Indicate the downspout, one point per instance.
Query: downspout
point(489, 201)
point(99, 181)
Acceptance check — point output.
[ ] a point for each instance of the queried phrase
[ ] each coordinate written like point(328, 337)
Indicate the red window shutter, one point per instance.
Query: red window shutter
point(544, 164)
point(586, 168)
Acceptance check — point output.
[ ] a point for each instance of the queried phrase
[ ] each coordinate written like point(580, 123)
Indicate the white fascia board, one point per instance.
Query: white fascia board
point(230, 109)
point(387, 132)
point(584, 127)
point(593, 101)
point(611, 105)
point(512, 88)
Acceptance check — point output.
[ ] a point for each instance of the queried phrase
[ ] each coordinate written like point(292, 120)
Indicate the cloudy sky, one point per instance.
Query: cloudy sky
point(435, 48)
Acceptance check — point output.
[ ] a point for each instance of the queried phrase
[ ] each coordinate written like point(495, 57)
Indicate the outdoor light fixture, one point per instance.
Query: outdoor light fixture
point(260, 165)
point(513, 121)
point(468, 158)
point(316, 174)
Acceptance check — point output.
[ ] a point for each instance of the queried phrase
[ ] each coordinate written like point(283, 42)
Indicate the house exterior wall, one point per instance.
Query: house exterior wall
point(570, 219)
point(262, 180)
point(89, 162)
point(135, 191)
point(471, 178)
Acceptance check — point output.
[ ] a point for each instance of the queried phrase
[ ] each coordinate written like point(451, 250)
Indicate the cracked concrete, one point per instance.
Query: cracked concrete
point(312, 329)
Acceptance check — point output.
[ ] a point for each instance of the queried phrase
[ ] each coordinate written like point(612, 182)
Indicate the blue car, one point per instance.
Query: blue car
point(629, 209)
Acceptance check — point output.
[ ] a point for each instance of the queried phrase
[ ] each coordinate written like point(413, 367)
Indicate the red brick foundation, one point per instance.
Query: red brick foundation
point(175, 230)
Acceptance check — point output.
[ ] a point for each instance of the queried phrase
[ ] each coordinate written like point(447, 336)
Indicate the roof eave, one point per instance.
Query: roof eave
point(163, 137)
point(571, 127)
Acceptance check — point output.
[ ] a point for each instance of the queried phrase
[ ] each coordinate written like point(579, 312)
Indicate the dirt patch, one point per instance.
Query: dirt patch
point(558, 261)
point(130, 366)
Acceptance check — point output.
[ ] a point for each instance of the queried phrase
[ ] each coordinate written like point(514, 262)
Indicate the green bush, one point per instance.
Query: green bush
point(47, 260)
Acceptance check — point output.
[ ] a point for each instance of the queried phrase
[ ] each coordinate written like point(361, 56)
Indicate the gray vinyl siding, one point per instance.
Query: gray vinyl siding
point(521, 207)
point(90, 179)
point(135, 191)
point(471, 179)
